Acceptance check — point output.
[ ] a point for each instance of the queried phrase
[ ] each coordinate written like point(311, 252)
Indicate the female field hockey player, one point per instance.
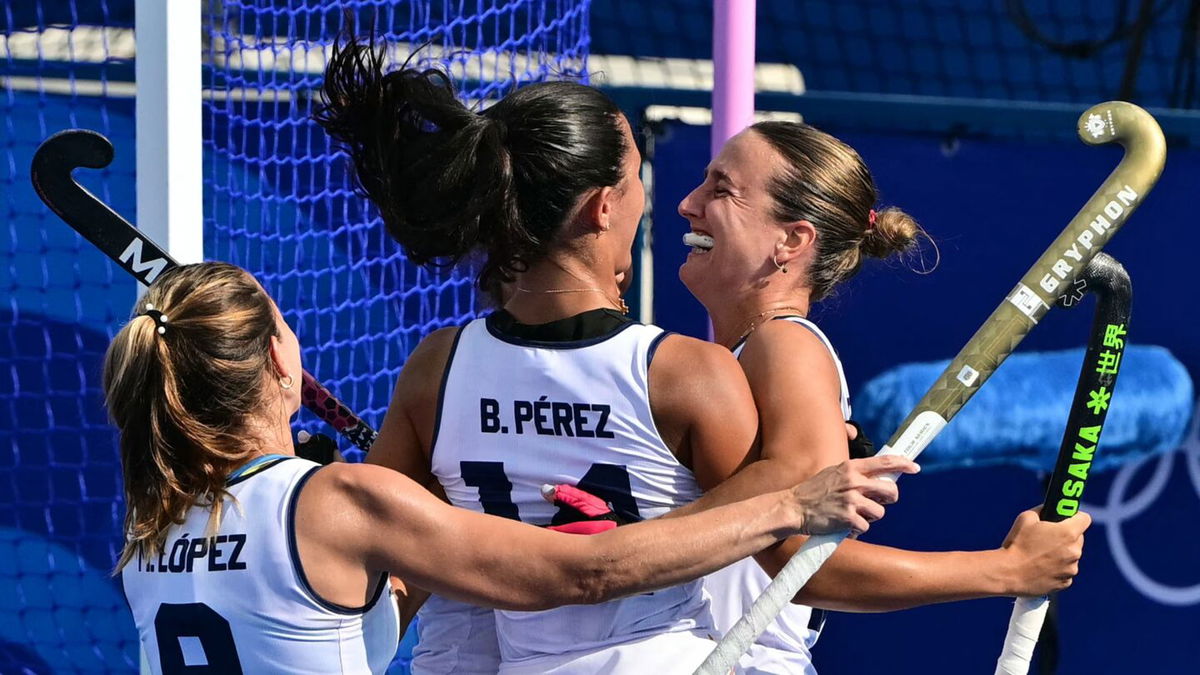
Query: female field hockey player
point(785, 213)
point(558, 386)
point(244, 558)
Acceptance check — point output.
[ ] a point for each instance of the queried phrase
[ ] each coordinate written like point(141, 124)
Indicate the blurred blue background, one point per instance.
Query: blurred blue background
point(993, 205)
point(992, 185)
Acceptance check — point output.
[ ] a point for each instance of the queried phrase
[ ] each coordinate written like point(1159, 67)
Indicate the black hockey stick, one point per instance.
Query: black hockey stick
point(136, 253)
point(1108, 280)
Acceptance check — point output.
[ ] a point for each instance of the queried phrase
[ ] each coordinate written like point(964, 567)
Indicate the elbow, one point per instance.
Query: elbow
point(574, 583)
point(595, 584)
point(596, 578)
point(576, 589)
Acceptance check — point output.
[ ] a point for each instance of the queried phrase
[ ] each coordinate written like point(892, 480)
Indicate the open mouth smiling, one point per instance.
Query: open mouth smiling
point(700, 242)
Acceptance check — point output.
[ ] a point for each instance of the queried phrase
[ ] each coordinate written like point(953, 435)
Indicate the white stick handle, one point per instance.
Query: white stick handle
point(803, 565)
point(1024, 626)
point(795, 574)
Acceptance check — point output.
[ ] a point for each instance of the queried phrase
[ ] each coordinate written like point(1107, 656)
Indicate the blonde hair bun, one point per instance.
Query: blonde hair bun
point(894, 232)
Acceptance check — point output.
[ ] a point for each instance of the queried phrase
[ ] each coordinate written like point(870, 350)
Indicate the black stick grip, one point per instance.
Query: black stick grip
point(1105, 278)
point(53, 164)
point(137, 254)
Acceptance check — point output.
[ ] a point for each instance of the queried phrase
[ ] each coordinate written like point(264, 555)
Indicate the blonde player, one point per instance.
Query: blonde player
point(243, 558)
point(785, 213)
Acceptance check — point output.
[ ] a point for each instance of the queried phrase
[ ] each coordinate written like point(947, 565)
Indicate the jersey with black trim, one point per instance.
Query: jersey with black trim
point(237, 600)
point(520, 412)
point(785, 646)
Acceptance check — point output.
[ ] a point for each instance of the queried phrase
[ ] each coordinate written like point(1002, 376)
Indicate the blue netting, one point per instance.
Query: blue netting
point(280, 203)
point(60, 489)
point(277, 201)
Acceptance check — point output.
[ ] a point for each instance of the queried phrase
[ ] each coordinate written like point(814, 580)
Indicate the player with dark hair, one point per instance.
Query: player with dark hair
point(244, 558)
point(786, 213)
point(558, 386)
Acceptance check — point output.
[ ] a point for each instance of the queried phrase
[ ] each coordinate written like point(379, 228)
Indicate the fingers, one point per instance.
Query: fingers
point(1076, 524)
point(879, 490)
point(851, 495)
point(851, 431)
point(856, 524)
point(1026, 518)
point(1047, 553)
point(1068, 573)
point(1081, 520)
point(868, 509)
point(863, 512)
point(883, 464)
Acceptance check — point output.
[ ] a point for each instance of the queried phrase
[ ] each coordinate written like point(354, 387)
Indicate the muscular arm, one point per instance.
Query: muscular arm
point(406, 436)
point(801, 440)
point(352, 519)
point(703, 409)
point(1036, 558)
point(796, 389)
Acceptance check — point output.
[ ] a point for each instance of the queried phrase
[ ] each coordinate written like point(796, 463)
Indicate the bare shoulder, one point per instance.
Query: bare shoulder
point(364, 487)
point(347, 514)
point(774, 336)
point(439, 341)
point(798, 395)
point(702, 407)
point(407, 430)
point(427, 362)
point(683, 359)
point(787, 347)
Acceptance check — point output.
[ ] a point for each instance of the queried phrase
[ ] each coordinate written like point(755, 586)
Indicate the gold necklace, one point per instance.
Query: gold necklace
point(618, 303)
point(754, 320)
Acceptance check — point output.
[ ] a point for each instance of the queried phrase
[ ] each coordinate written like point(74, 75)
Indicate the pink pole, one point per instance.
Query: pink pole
point(733, 73)
point(733, 69)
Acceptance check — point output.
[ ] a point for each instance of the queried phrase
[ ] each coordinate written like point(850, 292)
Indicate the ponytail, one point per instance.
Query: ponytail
point(182, 398)
point(449, 182)
point(440, 174)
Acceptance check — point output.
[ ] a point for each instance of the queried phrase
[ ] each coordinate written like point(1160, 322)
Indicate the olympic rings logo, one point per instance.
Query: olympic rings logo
point(1119, 509)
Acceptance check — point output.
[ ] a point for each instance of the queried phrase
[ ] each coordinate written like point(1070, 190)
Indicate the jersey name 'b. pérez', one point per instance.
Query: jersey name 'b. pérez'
point(546, 418)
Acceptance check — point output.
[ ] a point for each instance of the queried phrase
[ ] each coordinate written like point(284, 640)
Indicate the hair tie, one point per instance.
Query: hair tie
point(160, 319)
point(871, 220)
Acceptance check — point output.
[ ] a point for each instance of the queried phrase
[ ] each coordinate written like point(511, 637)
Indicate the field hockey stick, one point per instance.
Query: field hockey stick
point(135, 253)
point(1108, 280)
point(1053, 273)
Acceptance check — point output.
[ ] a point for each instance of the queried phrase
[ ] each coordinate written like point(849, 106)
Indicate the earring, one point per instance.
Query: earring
point(781, 268)
point(286, 382)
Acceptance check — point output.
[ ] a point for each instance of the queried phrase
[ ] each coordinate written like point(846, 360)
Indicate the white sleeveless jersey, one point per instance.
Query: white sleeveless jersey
point(239, 602)
point(454, 637)
point(517, 414)
point(784, 647)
